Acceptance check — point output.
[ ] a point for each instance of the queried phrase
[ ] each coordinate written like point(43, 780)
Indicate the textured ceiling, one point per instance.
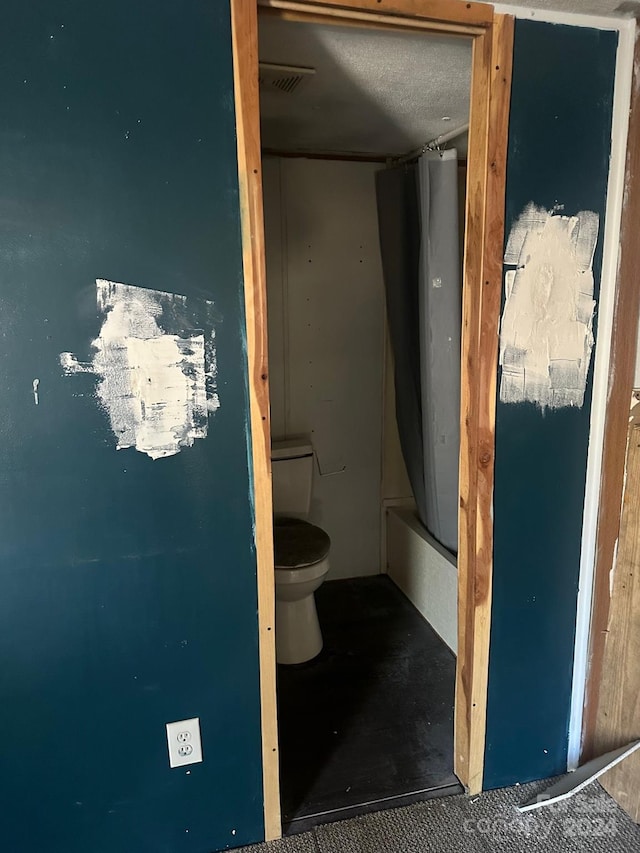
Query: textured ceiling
point(374, 91)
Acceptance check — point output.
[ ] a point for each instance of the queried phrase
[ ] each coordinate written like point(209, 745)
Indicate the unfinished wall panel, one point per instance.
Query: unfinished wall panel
point(618, 719)
point(562, 91)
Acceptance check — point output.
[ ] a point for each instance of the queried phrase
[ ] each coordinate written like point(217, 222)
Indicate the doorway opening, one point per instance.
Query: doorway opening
point(492, 42)
point(363, 241)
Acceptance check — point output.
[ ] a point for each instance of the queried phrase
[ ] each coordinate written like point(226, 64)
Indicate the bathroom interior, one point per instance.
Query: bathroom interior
point(364, 146)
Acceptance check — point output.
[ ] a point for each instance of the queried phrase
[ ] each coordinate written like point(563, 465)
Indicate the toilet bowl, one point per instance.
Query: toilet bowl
point(301, 563)
point(301, 554)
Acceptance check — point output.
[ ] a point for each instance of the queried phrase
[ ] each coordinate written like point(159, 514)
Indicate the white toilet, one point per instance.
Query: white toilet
point(301, 552)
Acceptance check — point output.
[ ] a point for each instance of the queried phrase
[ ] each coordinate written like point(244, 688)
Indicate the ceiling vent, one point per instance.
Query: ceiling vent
point(285, 78)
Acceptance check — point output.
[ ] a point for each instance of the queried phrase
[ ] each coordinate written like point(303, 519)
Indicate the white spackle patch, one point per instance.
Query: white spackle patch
point(157, 384)
point(546, 334)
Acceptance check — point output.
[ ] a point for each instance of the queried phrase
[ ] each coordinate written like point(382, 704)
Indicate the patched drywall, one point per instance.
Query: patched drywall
point(546, 334)
point(156, 376)
point(541, 451)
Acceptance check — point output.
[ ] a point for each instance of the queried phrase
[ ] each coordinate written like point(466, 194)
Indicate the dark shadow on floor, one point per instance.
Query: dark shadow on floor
point(371, 718)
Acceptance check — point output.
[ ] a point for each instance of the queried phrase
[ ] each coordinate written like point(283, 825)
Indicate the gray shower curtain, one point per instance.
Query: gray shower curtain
point(420, 247)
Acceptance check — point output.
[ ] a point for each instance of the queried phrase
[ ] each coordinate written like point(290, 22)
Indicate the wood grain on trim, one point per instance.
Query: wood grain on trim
point(245, 69)
point(621, 374)
point(618, 715)
point(323, 13)
point(448, 13)
point(349, 156)
point(484, 234)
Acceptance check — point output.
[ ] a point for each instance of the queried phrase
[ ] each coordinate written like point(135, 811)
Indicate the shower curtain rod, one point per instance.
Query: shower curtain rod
point(435, 144)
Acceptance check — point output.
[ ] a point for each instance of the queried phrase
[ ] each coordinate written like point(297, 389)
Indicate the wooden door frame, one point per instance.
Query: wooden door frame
point(492, 36)
point(621, 377)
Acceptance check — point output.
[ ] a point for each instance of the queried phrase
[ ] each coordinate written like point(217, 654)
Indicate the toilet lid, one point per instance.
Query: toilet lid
point(298, 543)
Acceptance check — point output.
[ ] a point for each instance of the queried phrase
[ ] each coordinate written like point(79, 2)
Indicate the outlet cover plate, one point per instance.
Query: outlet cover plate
point(184, 742)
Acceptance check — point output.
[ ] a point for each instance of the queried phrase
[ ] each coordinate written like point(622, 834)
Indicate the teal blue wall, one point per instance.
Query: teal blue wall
point(128, 585)
point(559, 146)
point(128, 588)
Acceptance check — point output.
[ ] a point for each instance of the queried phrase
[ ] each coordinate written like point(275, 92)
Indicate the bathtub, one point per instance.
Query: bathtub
point(424, 570)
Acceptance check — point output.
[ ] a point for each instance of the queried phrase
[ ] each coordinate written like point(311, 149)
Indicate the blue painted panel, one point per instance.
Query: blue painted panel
point(559, 146)
point(128, 586)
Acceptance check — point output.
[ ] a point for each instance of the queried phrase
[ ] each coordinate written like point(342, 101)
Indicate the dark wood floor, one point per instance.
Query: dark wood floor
point(369, 723)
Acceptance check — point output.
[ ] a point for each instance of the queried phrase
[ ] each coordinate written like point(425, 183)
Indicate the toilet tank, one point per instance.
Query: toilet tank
point(292, 472)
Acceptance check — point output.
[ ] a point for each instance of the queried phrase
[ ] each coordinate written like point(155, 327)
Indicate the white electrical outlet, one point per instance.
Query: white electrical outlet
point(183, 739)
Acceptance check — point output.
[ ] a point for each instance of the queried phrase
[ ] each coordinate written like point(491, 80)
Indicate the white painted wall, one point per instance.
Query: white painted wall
point(326, 341)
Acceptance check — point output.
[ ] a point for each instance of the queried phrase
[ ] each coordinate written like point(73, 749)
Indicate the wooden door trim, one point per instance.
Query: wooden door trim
point(618, 711)
point(621, 374)
point(326, 12)
point(244, 23)
point(438, 16)
point(484, 240)
point(490, 92)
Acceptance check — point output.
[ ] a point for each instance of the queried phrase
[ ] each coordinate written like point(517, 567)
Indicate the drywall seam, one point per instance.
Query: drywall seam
point(546, 334)
point(156, 375)
point(606, 301)
point(572, 19)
